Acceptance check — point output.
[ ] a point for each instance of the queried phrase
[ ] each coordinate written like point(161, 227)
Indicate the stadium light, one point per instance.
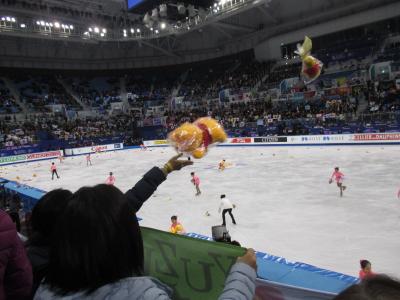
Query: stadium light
point(3, 18)
point(102, 34)
point(42, 23)
point(13, 20)
point(90, 29)
point(56, 25)
point(8, 19)
point(138, 30)
point(23, 25)
point(96, 30)
point(132, 30)
point(156, 31)
point(104, 30)
point(163, 25)
point(71, 27)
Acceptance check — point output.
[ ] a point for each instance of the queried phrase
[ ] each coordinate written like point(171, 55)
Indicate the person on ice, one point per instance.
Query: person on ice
point(176, 227)
point(110, 179)
point(53, 170)
point(339, 177)
point(196, 182)
point(226, 207)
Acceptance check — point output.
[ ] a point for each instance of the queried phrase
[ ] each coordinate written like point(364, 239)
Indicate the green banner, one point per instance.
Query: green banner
point(10, 159)
point(193, 268)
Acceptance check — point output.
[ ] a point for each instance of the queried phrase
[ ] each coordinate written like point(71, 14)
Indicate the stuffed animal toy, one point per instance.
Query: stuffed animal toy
point(312, 67)
point(194, 138)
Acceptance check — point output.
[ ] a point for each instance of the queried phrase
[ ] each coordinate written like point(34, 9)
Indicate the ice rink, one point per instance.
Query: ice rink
point(285, 205)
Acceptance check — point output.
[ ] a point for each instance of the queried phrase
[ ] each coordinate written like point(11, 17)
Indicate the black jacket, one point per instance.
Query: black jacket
point(144, 188)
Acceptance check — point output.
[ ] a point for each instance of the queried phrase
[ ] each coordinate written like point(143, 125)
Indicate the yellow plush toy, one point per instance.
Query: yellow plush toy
point(194, 138)
point(312, 67)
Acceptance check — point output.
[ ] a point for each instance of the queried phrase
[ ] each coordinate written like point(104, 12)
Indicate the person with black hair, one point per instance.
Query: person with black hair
point(53, 170)
point(365, 271)
point(379, 287)
point(14, 207)
point(48, 210)
point(226, 207)
point(43, 220)
point(98, 254)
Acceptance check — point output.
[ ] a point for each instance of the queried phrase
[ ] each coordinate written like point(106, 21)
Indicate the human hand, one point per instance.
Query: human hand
point(174, 164)
point(249, 258)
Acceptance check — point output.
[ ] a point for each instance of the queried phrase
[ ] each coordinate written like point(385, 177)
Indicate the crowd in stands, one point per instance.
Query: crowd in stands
point(7, 102)
point(38, 92)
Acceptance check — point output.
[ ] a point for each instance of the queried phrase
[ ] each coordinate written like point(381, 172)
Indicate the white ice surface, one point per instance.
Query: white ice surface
point(285, 205)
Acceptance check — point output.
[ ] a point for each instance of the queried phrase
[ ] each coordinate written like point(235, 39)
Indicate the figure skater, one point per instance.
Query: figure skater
point(339, 177)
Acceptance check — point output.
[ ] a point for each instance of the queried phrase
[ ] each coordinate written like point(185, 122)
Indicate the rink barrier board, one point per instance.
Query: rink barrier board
point(93, 149)
point(296, 275)
point(30, 157)
point(307, 140)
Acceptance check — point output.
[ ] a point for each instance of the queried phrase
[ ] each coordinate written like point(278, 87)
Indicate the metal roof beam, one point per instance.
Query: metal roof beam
point(235, 27)
point(151, 45)
point(222, 31)
point(267, 14)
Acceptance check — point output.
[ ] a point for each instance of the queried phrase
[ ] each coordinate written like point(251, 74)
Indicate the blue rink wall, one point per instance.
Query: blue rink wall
point(294, 280)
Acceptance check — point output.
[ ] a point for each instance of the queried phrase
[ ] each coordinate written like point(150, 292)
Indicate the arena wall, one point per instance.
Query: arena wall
point(271, 48)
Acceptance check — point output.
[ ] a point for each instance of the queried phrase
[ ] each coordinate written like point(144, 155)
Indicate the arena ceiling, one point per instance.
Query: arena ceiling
point(236, 30)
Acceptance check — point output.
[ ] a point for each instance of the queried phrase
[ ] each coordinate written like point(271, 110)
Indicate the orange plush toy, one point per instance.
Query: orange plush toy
point(194, 138)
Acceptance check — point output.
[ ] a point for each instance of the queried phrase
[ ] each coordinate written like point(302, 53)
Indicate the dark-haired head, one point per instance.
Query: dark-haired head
point(46, 213)
point(52, 163)
point(336, 168)
point(364, 263)
point(111, 173)
point(192, 173)
point(174, 218)
point(98, 242)
point(222, 196)
point(379, 287)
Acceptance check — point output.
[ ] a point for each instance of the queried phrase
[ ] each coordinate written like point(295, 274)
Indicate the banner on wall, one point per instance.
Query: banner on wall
point(195, 269)
point(29, 157)
point(377, 137)
point(94, 149)
point(271, 139)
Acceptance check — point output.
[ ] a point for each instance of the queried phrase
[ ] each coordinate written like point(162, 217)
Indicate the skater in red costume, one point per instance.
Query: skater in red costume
point(339, 177)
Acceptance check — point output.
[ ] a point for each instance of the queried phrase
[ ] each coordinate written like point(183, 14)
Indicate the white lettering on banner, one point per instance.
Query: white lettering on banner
point(94, 149)
point(377, 137)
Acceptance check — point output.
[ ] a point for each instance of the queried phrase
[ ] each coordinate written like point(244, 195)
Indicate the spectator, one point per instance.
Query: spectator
point(43, 220)
point(100, 254)
point(365, 271)
point(15, 269)
point(14, 207)
point(379, 287)
point(176, 227)
point(46, 213)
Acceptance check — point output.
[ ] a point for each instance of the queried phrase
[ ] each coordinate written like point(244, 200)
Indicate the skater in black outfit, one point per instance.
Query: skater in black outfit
point(226, 207)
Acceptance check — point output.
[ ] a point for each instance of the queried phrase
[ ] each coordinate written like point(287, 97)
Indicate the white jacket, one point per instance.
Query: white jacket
point(225, 204)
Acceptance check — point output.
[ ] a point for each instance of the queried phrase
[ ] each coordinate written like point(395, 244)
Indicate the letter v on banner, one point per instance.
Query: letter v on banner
point(201, 266)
